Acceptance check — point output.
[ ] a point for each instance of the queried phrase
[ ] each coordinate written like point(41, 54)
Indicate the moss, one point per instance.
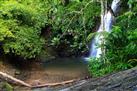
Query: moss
point(6, 87)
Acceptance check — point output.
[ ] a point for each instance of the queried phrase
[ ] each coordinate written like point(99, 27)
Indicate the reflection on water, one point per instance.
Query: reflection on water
point(35, 73)
point(54, 71)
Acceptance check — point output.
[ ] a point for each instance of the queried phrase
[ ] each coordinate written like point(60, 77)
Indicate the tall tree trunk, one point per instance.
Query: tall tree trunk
point(103, 13)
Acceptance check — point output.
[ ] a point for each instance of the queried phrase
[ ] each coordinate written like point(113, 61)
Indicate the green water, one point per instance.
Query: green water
point(57, 70)
point(53, 71)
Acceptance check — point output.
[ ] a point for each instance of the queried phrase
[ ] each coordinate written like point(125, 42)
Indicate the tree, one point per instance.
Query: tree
point(20, 25)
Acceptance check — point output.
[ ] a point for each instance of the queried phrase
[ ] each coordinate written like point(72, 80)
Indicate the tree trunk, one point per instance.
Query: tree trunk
point(103, 29)
point(12, 79)
point(16, 81)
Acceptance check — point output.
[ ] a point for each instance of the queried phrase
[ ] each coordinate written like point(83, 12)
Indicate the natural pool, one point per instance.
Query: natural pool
point(57, 70)
point(52, 71)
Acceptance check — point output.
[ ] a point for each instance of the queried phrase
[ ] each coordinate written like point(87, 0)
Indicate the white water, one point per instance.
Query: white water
point(108, 22)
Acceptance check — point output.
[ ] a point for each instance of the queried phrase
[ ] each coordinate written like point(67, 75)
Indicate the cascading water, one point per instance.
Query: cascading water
point(108, 22)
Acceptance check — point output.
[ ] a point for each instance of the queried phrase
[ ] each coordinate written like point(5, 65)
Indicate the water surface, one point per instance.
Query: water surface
point(57, 70)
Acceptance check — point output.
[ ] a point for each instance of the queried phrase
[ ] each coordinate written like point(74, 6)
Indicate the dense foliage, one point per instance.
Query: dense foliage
point(72, 23)
point(29, 27)
point(22, 22)
point(121, 44)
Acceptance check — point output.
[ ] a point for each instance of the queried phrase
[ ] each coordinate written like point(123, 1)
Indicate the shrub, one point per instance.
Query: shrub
point(20, 25)
point(120, 44)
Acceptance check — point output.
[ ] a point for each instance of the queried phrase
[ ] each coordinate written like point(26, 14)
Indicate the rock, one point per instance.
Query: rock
point(17, 72)
point(121, 81)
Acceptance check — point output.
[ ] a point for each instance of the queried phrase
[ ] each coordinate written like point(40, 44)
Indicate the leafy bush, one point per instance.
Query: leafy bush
point(120, 44)
point(20, 25)
point(98, 68)
point(22, 21)
point(73, 23)
point(120, 53)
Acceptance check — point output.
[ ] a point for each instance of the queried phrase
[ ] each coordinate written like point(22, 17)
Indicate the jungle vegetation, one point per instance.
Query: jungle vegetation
point(28, 27)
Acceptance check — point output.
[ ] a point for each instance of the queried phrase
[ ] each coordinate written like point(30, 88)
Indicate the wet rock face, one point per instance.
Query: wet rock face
point(122, 81)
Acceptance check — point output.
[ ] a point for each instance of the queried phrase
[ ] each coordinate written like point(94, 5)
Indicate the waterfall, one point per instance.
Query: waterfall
point(108, 22)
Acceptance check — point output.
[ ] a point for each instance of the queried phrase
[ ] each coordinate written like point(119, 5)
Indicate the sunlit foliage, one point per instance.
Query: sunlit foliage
point(20, 24)
point(121, 44)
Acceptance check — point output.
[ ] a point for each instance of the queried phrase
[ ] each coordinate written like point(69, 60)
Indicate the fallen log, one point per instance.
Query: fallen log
point(12, 79)
point(53, 84)
point(121, 81)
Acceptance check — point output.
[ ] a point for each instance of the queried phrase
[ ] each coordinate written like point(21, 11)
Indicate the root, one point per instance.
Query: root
point(53, 84)
point(13, 80)
point(16, 81)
